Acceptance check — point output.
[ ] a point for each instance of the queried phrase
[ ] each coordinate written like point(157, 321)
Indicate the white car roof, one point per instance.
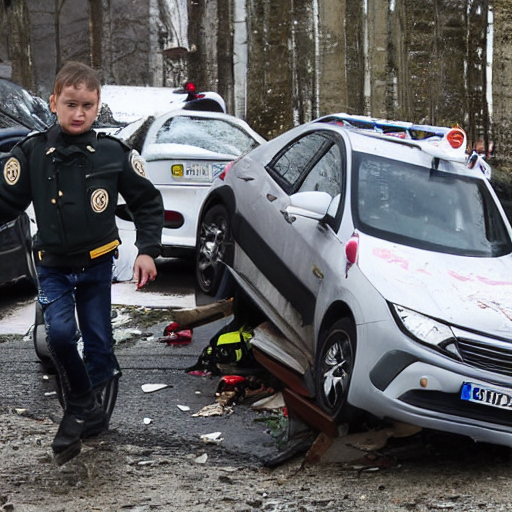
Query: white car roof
point(129, 103)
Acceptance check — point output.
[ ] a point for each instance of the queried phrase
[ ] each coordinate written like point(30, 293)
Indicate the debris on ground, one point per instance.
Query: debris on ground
point(216, 409)
point(213, 438)
point(201, 459)
point(272, 402)
point(188, 318)
point(176, 338)
point(151, 388)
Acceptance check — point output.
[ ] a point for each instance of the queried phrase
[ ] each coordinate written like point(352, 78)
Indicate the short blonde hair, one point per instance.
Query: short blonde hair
point(73, 74)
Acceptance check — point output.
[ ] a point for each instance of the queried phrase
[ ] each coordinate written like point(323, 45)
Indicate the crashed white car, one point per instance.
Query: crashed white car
point(185, 150)
point(384, 267)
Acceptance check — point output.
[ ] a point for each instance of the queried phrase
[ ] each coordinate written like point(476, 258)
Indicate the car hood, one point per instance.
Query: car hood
point(473, 293)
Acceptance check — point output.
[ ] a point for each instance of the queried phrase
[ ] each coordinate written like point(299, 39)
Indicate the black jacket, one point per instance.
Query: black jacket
point(74, 182)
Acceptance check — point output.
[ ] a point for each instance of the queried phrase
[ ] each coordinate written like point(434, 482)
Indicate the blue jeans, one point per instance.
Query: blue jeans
point(62, 291)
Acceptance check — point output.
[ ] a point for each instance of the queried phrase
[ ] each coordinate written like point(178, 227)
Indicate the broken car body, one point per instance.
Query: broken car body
point(384, 266)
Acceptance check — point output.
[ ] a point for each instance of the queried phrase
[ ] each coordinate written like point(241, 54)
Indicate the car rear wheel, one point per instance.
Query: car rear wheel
point(39, 336)
point(334, 366)
point(214, 248)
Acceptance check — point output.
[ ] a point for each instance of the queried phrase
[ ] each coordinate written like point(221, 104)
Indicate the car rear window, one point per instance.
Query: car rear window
point(432, 209)
point(214, 135)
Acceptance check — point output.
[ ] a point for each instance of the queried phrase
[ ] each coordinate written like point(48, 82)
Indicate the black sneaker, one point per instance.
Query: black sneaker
point(67, 444)
point(96, 422)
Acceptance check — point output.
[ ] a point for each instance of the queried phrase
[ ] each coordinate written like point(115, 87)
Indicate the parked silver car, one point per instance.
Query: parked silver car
point(384, 267)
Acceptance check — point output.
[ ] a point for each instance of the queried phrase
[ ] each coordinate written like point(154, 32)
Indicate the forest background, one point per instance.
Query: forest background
point(279, 63)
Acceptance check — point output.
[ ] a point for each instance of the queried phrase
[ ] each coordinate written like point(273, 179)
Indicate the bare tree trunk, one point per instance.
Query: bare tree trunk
point(304, 61)
point(18, 39)
point(477, 108)
point(225, 11)
point(355, 59)
point(449, 93)
point(107, 72)
point(96, 32)
point(378, 11)
point(59, 4)
point(332, 57)
point(502, 83)
point(269, 109)
point(400, 41)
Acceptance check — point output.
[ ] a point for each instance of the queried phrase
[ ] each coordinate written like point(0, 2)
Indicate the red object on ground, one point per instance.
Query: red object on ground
point(183, 337)
point(231, 383)
point(172, 327)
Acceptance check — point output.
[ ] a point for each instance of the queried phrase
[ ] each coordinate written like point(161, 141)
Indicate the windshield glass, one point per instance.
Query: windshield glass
point(426, 208)
point(214, 135)
point(19, 108)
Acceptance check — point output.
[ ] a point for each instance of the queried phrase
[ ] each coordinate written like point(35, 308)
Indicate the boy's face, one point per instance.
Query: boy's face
point(76, 108)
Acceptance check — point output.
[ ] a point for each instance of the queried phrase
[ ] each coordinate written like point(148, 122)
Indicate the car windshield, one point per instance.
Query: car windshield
point(18, 107)
point(214, 135)
point(426, 208)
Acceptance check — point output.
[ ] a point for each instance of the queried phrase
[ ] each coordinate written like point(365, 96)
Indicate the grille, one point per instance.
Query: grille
point(492, 357)
point(450, 403)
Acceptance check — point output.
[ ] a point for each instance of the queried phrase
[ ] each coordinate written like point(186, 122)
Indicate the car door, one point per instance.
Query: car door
point(283, 253)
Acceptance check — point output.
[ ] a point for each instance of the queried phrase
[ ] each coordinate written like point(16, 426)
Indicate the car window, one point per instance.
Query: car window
point(214, 135)
point(325, 175)
point(291, 166)
point(19, 108)
point(427, 208)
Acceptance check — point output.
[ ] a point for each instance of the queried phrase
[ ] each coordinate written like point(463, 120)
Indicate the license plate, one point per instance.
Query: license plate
point(198, 172)
point(494, 397)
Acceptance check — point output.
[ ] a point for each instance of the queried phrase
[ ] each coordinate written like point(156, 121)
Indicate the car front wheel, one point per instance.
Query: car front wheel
point(214, 248)
point(334, 366)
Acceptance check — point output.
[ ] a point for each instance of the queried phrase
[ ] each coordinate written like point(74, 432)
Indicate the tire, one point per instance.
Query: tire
point(333, 369)
point(39, 337)
point(214, 248)
point(30, 279)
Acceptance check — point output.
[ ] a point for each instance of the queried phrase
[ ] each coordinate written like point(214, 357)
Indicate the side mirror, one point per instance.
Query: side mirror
point(312, 205)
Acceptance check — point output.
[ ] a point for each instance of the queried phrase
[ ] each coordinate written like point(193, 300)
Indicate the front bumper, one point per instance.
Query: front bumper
point(417, 385)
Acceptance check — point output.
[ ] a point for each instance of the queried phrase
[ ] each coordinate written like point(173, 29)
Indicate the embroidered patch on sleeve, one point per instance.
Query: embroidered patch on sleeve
point(12, 171)
point(138, 163)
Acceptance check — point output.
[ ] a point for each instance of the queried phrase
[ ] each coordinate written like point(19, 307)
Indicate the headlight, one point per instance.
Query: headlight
point(426, 330)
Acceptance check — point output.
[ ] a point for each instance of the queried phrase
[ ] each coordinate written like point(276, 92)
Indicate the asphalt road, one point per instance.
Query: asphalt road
point(143, 360)
point(156, 419)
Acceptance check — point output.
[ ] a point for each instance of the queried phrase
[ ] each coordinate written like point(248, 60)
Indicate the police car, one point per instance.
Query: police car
point(383, 265)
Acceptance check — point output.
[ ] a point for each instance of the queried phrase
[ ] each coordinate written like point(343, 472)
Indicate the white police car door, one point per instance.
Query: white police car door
point(288, 249)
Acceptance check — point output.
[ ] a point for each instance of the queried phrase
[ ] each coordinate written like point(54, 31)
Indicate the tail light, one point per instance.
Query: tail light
point(222, 175)
point(456, 138)
point(351, 249)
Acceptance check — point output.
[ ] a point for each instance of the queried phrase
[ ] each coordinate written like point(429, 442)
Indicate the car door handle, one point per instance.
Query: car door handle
point(245, 178)
point(271, 198)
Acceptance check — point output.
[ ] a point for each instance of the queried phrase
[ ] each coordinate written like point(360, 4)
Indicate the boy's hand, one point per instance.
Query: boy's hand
point(144, 270)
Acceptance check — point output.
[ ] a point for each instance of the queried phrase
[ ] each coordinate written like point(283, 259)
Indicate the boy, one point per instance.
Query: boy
point(73, 177)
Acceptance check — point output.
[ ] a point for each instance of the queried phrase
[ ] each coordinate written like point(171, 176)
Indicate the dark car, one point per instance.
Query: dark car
point(16, 260)
point(20, 114)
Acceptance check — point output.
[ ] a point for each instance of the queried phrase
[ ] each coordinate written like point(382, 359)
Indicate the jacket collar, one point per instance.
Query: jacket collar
point(59, 143)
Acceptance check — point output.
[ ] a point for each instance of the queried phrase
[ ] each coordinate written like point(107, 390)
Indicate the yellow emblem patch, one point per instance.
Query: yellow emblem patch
point(12, 171)
point(138, 163)
point(99, 200)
